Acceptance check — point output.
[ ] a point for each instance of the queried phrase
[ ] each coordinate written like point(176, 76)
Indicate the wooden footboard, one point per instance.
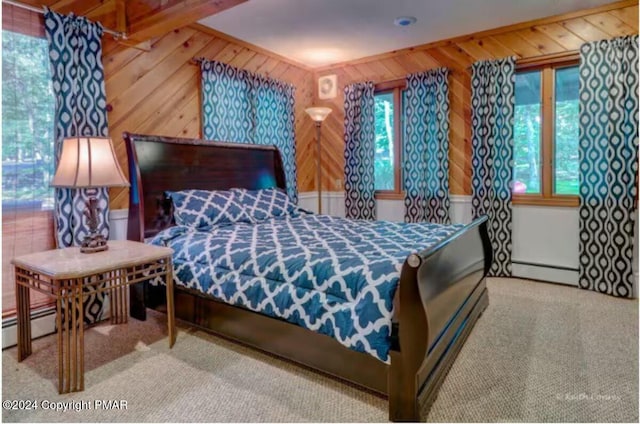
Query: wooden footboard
point(441, 294)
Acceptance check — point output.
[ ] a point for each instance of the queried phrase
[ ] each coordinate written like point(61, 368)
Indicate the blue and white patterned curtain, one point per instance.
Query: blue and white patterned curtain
point(608, 164)
point(492, 111)
point(274, 103)
point(243, 107)
point(359, 153)
point(75, 52)
point(426, 147)
point(227, 113)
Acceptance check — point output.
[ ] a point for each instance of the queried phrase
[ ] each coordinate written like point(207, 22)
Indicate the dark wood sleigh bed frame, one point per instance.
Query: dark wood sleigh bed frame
point(441, 294)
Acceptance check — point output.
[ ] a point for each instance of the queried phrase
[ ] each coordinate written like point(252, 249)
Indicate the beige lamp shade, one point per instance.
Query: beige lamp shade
point(88, 162)
point(318, 114)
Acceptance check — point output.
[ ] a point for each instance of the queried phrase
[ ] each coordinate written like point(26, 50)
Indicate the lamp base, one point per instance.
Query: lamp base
point(94, 243)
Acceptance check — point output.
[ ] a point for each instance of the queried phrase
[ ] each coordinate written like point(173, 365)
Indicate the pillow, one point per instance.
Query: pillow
point(265, 203)
point(202, 208)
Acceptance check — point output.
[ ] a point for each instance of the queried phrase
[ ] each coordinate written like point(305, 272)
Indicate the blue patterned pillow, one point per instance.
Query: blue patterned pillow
point(265, 203)
point(202, 208)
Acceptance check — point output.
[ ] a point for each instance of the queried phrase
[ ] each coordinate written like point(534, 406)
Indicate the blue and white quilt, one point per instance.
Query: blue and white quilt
point(331, 275)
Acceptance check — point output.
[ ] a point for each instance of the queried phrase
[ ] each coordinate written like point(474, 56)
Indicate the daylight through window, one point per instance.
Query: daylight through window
point(387, 165)
point(546, 135)
point(27, 123)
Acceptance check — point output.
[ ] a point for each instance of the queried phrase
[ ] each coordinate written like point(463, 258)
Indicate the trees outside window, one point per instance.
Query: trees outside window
point(27, 122)
point(546, 135)
point(28, 108)
point(388, 147)
point(384, 124)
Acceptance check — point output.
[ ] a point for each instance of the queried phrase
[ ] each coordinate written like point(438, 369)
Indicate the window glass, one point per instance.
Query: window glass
point(566, 131)
point(27, 123)
point(384, 127)
point(527, 125)
point(27, 147)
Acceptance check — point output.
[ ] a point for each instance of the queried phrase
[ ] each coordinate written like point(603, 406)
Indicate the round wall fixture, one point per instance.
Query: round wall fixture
point(403, 21)
point(327, 87)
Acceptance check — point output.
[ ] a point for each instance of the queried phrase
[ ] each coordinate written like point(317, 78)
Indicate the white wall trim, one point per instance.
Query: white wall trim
point(118, 214)
point(314, 194)
point(332, 202)
point(118, 224)
point(544, 273)
point(43, 322)
point(460, 198)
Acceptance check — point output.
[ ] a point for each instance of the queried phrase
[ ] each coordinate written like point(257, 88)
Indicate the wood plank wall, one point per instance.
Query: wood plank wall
point(541, 37)
point(158, 91)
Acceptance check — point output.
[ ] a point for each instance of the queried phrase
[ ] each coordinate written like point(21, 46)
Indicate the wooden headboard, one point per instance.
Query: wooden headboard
point(157, 164)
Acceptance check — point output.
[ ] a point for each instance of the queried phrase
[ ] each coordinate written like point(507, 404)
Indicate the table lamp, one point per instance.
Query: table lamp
point(89, 162)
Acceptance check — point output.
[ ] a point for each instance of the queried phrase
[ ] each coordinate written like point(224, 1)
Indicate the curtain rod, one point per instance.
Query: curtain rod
point(546, 59)
point(116, 34)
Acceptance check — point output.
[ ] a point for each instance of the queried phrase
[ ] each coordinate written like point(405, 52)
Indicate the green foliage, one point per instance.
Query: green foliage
point(27, 119)
point(527, 146)
point(383, 167)
point(527, 140)
point(566, 160)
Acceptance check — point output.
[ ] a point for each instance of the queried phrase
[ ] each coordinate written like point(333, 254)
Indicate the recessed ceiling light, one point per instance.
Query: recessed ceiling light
point(403, 21)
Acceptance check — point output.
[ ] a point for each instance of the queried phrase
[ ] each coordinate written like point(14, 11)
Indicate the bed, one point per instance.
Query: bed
point(439, 294)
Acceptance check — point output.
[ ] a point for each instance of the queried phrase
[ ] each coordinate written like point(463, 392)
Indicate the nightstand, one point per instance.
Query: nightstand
point(65, 273)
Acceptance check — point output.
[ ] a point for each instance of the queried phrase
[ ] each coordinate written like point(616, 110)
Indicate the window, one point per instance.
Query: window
point(566, 132)
point(27, 123)
point(387, 165)
point(546, 135)
point(27, 146)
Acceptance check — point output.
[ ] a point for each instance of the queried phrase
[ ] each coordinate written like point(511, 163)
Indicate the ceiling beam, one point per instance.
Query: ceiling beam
point(176, 14)
point(121, 16)
point(79, 7)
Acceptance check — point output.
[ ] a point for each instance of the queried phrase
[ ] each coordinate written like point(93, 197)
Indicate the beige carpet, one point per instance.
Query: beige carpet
point(540, 352)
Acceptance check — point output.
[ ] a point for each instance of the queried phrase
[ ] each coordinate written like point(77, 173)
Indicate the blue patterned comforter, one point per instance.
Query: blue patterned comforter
point(330, 275)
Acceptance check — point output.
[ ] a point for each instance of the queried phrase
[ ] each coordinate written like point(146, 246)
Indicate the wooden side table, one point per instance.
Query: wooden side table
point(65, 273)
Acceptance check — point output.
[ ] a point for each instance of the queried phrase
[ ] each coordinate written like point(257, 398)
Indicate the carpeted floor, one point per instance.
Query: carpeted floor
point(540, 352)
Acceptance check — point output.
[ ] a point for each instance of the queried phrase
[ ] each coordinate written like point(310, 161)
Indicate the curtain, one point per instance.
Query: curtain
point(359, 153)
point(492, 111)
point(226, 103)
point(275, 124)
point(608, 164)
point(75, 53)
point(426, 147)
point(243, 107)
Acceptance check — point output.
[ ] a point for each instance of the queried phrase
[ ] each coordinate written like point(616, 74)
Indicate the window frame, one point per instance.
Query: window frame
point(547, 67)
point(396, 87)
